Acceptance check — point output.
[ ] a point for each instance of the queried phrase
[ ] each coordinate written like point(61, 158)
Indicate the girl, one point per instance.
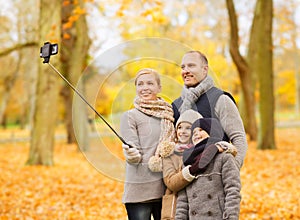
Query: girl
point(176, 178)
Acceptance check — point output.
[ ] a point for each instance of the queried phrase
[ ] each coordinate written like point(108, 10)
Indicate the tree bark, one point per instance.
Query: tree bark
point(45, 114)
point(8, 85)
point(244, 71)
point(264, 69)
point(74, 58)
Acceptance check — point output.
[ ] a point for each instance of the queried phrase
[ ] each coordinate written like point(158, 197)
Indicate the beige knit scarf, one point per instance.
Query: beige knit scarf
point(163, 110)
point(189, 96)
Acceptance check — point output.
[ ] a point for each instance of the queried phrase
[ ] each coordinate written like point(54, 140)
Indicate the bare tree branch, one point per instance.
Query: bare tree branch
point(238, 59)
point(17, 47)
point(244, 73)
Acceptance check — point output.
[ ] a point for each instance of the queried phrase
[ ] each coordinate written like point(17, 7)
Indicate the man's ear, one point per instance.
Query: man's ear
point(205, 69)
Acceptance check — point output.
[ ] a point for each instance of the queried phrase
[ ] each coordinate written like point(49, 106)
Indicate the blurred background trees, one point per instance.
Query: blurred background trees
point(47, 89)
point(256, 69)
point(85, 29)
point(74, 57)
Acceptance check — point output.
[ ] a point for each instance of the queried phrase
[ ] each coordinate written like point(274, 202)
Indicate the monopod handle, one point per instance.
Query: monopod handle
point(97, 113)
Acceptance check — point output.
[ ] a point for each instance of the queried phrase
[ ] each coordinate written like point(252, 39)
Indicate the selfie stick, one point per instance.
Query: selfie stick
point(52, 50)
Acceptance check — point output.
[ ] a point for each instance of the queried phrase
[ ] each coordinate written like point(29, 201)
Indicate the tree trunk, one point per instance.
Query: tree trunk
point(66, 57)
point(8, 85)
point(74, 57)
point(264, 69)
point(31, 78)
point(296, 66)
point(45, 114)
point(67, 95)
point(252, 56)
point(244, 71)
point(4, 121)
point(10, 80)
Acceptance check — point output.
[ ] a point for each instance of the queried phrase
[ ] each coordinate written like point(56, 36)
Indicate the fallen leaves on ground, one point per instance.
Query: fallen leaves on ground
point(270, 180)
point(73, 189)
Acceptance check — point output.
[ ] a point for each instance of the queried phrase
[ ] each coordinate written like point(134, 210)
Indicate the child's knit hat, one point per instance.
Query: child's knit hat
point(211, 125)
point(188, 116)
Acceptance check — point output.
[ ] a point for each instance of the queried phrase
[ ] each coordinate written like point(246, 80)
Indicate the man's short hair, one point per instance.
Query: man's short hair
point(202, 56)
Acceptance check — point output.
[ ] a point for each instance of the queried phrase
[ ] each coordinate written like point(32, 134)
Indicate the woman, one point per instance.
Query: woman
point(144, 127)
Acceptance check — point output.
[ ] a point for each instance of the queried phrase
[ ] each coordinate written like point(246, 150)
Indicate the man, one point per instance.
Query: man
point(200, 94)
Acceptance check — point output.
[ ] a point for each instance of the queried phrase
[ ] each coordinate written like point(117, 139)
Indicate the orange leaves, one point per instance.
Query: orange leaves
point(52, 35)
point(66, 2)
point(152, 10)
point(73, 18)
point(155, 14)
point(76, 13)
point(79, 11)
point(124, 5)
point(73, 189)
point(66, 36)
point(67, 25)
point(120, 13)
point(270, 178)
point(146, 12)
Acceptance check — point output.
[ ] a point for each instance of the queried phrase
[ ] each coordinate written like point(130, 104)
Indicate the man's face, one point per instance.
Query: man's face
point(193, 70)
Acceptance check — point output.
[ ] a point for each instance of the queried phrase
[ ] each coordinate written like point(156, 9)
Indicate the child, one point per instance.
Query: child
point(176, 178)
point(215, 193)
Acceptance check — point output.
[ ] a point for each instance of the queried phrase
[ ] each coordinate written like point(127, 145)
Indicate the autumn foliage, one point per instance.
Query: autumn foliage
point(73, 189)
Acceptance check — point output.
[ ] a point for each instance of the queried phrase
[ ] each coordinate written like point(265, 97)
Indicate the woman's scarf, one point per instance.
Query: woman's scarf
point(163, 110)
point(189, 96)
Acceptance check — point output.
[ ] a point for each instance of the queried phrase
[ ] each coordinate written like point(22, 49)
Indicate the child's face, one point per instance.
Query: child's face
point(199, 135)
point(183, 132)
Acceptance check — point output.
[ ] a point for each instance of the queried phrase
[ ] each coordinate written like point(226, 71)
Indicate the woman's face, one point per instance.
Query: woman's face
point(183, 132)
point(199, 135)
point(147, 87)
